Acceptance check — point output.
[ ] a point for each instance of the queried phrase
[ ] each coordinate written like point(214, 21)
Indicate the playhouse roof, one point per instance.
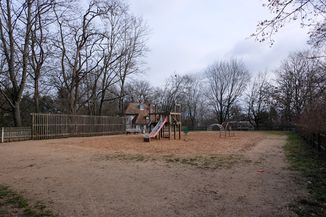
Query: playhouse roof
point(134, 109)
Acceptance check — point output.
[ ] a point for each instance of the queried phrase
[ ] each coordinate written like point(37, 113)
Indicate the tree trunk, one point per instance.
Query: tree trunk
point(221, 117)
point(37, 97)
point(17, 115)
point(193, 123)
point(121, 100)
point(121, 106)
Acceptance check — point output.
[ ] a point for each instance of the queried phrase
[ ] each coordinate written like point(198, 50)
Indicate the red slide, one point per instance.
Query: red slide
point(158, 127)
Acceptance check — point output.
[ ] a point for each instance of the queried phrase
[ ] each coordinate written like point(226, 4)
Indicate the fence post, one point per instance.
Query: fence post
point(32, 127)
point(2, 134)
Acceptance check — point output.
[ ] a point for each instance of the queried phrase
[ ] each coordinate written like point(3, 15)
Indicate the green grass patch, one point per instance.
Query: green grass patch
point(312, 164)
point(206, 161)
point(127, 157)
point(14, 204)
point(199, 161)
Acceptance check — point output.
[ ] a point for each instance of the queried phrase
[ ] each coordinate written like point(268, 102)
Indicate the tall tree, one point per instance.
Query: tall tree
point(296, 85)
point(226, 82)
point(40, 46)
point(173, 93)
point(193, 100)
point(133, 37)
point(139, 91)
point(16, 21)
point(98, 52)
point(258, 100)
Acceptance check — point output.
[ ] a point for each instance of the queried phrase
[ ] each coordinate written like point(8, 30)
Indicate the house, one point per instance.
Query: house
point(137, 117)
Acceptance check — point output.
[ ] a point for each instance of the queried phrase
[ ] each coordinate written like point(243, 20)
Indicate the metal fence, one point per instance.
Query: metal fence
point(317, 140)
point(12, 134)
point(47, 126)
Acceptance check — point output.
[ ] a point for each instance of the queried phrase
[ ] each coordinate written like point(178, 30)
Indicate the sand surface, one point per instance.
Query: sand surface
point(67, 176)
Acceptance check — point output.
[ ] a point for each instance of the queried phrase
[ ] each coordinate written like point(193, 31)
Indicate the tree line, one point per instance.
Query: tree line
point(80, 57)
point(66, 56)
point(295, 98)
point(290, 96)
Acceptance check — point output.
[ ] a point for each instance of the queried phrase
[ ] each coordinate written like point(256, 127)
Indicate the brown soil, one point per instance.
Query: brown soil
point(64, 175)
point(193, 143)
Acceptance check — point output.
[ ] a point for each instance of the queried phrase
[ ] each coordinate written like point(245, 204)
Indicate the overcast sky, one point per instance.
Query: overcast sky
point(187, 35)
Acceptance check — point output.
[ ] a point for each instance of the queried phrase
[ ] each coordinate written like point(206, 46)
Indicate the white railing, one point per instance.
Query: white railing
point(12, 134)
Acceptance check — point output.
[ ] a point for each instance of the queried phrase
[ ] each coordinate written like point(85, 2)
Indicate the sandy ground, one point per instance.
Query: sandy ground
point(66, 177)
point(193, 143)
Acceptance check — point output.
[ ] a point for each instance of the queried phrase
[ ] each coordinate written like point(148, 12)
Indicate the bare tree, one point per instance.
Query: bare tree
point(173, 93)
point(193, 100)
point(310, 13)
point(106, 77)
point(133, 41)
point(226, 82)
point(258, 100)
point(139, 91)
point(98, 51)
point(296, 84)
point(76, 43)
point(16, 20)
point(40, 46)
point(86, 51)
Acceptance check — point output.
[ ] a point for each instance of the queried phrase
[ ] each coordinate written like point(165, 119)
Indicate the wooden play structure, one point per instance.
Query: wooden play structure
point(163, 124)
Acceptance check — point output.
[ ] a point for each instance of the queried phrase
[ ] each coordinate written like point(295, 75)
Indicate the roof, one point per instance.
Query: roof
point(134, 109)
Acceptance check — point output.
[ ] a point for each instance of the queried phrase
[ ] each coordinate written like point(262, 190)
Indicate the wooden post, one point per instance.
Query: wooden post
point(174, 130)
point(47, 126)
point(180, 123)
point(169, 131)
point(170, 121)
point(180, 131)
point(32, 127)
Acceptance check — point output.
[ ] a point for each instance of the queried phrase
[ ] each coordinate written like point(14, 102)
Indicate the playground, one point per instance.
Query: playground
point(81, 176)
point(195, 143)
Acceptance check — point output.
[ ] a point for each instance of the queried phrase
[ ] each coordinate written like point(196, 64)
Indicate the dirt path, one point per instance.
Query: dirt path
point(73, 183)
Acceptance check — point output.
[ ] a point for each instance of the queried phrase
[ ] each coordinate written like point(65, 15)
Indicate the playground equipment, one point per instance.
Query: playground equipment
point(164, 124)
point(227, 129)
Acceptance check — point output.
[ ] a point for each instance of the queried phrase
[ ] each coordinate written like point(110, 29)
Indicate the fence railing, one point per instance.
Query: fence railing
point(12, 134)
point(317, 140)
point(46, 126)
